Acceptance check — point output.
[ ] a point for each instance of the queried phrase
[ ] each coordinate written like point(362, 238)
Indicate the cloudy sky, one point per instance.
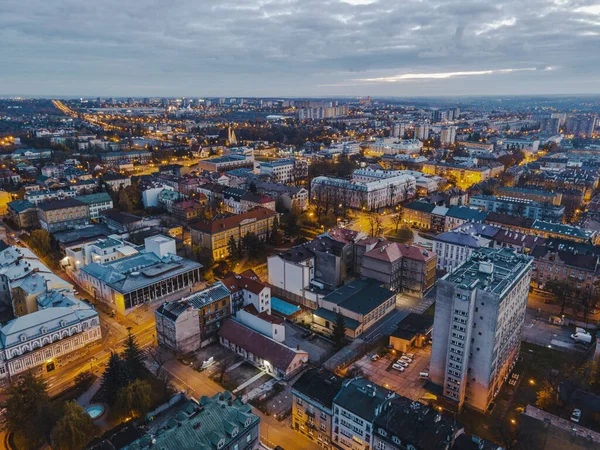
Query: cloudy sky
point(299, 47)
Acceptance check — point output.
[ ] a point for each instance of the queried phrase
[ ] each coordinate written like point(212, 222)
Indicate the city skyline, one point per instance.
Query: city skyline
point(299, 49)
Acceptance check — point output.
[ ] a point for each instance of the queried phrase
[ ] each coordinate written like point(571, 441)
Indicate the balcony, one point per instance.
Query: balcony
point(310, 413)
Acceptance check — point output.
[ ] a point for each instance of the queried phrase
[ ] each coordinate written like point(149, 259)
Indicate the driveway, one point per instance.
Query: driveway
point(538, 331)
point(405, 383)
point(318, 349)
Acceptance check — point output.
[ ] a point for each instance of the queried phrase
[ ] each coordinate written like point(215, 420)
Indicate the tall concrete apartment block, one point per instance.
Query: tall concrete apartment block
point(479, 316)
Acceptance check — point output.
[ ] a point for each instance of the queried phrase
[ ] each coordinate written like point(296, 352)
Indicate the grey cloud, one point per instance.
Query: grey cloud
point(293, 47)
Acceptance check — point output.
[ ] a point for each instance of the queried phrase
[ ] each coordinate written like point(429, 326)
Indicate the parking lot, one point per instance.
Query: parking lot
point(538, 331)
point(319, 349)
point(405, 383)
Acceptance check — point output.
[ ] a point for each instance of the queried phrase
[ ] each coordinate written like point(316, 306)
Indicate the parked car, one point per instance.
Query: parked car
point(406, 359)
point(402, 363)
point(576, 416)
point(398, 367)
point(374, 357)
point(410, 355)
point(312, 336)
point(424, 375)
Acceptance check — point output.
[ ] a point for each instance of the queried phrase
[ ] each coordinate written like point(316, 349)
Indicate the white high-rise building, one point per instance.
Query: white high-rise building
point(398, 130)
point(479, 315)
point(448, 135)
point(422, 131)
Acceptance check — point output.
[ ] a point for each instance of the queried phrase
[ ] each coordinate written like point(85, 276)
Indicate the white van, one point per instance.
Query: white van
point(424, 375)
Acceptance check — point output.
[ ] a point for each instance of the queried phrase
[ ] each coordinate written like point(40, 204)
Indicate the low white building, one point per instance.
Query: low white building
point(393, 146)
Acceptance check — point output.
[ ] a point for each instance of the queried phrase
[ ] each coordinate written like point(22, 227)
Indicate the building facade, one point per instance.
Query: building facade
point(479, 316)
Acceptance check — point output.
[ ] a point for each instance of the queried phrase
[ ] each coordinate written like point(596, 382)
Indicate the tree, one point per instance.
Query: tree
point(405, 234)
point(339, 330)
point(115, 377)
point(252, 187)
point(133, 357)
point(125, 202)
point(396, 220)
point(134, 400)
point(375, 225)
point(546, 397)
point(232, 247)
point(562, 292)
point(29, 414)
point(40, 242)
point(74, 430)
point(274, 231)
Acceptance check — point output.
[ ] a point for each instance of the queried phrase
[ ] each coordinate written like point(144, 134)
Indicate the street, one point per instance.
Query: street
point(196, 384)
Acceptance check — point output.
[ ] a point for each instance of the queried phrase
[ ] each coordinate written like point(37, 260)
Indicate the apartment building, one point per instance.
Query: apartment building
point(214, 235)
point(355, 409)
point(60, 215)
point(455, 247)
point(280, 170)
point(536, 195)
point(312, 404)
point(518, 206)
point(402, 268)
point(479, 316)
point(96, 203)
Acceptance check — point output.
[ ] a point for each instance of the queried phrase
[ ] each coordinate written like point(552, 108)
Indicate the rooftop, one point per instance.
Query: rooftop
point(320, 385)
point(360, 296)
point(492, 270)
point(363, 398)
point(60, 204)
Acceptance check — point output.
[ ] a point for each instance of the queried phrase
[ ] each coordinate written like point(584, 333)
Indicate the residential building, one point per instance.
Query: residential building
point(408, 424)
point(221, 422)
point(96, 203)
point(151, 275)
point(23, 213)
point(214, 235)
point(372, 195)
point(116, 181)
point(536, 195)
point(361, 302)
point(246, 288)
point(520, 207)
point(394, 146)
point(459, 215)
point(39, 196)
point(101, 250)
point(355, 410)
point(418, 214)
point(60, 215)
point(402, 268)
point(448, 135)
point(580, 126)
point(479, 316)
point(31, 154)
point(312, 404)
point(121, 222)
point(281, 170)
point(455, 247)
point(287, 197)
point(565, 262)
point(564, 231)
point(267, 354)
point(464, 175)
point(227, 162)
point(112, 158)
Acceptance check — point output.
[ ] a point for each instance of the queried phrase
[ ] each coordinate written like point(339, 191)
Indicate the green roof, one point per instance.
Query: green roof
point(20, 205)
point(421, 206)
point(325, 314)
point(100, 197)
point(204, 425)
point(360, 296)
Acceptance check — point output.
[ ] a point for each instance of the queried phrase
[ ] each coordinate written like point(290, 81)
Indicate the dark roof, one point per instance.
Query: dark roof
point(360, 296)
point(319, 385)
point(119, 216)
point(466, 442)
point(326, 314)
point(509, 220)
point(60, 204)
point(172, 310)
point(568, 257)
point(297, 254)
point(421, 206)
point(416, 424)
point(466, 213)
point(20, 205)
point(362, 397)
point(412, 325)
point(270, 350)
point(226, 223)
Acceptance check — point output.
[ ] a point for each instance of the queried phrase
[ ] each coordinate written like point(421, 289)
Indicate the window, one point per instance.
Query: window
point(249, 437)
point(299, 401)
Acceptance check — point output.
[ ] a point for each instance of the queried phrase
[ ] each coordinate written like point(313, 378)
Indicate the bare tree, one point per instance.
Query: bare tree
point(375, 224)
point(396, 220)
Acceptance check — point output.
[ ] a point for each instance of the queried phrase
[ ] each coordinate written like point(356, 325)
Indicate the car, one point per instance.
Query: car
point(406, 358)
point(312, 336)
point(398, 367)
point(576, 416)
point(410, 355)
point(305, 335)
point(402, 363)
point(374, 357)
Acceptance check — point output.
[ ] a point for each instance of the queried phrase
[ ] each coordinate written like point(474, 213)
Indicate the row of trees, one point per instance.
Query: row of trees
point(566, 295)
point(251, 245)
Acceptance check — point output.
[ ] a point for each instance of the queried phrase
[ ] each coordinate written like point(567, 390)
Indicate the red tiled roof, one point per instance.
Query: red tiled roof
point(270, 350)
point(233, 221)
point(235, 283)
